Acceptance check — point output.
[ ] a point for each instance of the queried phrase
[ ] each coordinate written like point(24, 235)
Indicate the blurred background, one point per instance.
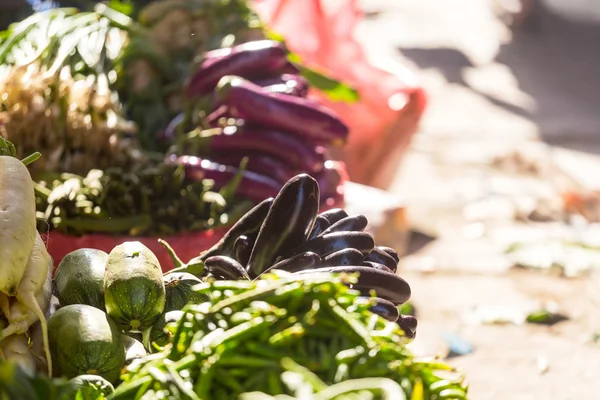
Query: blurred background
point(492, 156)
point(500, 185)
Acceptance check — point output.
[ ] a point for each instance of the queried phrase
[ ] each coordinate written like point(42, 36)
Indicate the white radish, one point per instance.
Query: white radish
point(16, 349)
point(36, 274)
point(36, 336)
point(17, 222)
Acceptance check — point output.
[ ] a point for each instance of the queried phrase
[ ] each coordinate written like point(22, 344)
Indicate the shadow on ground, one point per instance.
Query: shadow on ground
point(555, 60)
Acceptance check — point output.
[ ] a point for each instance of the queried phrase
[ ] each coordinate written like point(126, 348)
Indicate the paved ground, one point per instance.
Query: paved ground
point(494, 92)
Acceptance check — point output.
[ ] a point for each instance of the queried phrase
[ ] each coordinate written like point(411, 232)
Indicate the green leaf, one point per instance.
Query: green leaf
point(124, 7)
point(334, 89)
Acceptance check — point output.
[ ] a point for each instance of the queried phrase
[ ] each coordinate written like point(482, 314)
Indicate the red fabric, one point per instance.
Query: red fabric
point(322, 34)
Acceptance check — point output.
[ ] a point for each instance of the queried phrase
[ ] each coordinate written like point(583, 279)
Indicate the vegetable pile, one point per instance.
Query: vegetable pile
point(116, 327)
point(250, 101)
point(287, 233)
point(94, 91)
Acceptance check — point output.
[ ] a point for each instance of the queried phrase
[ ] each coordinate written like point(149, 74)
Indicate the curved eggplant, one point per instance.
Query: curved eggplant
point(353, 223)
point(326, 244)
point(387, 286)
point(253, 186)
point(263, 164)
point(385, 309)
point(288, 222)
point(381, 257)
point(279, 145)
point(294, 85)
point(390, 252)
point(343, 258)
point(378, 266)
point(248, 225)
point(225, 268)
point(320, 225)
point(245, 60)
point(299, 262)
point(293, 114)
point(334, 215)
point(408, 324)
point(243, 248)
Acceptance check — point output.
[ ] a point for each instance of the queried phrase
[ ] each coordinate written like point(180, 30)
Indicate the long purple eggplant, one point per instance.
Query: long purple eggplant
point(388, 286)
point(294, 85)
point(260, 163)
point(293, 114)
point(253, 186)
point(294, 151)
point(246, 60)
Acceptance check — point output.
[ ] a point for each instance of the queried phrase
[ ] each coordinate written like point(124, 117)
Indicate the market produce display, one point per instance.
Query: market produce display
point(288, 233)
point(157, 124)
point(119, 328)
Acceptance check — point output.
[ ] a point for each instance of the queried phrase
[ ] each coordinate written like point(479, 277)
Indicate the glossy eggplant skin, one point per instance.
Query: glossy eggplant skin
point(288, 113)
point(385, 309)
point(293, 85)
point(288, 223)
point(263, 164)
point(321, 224)
point(381, 257)
point(353, 223)
point(299, 262)
point(245, 60)
point(242, 248)
point(390, 252)
point(408, 324)
point(343, 258)
point(388, 286)
point(225, 268)
point(248, 225)
point(334, 215)
point(279, 145)
point(253, 186)
point(326, 244)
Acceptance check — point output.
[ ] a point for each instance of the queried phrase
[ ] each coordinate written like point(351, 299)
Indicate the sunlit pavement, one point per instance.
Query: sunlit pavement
point(493, 91)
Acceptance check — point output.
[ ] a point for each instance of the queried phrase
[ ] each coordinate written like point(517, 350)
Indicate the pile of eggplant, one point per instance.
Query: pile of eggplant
point(251, 101)
point(288, 233)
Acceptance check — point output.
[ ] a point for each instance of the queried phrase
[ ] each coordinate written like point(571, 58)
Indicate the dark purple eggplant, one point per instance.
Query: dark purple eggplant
point(277, 144)
point(243, 248)
point(381, 257)
point(294, 85)
point(390, 252)
point(288, 223)
point(408, 324)
point(245, 60)
point(226, 268)
point(321, 224)
point(263, 164)
point(344, 257)
point(253, 186)
point(378, 266)
point(355, 223)
point(247, 226)
point(387, 286)
point(385, 309)
point(293, 114)
point(298, 262)
point(332, 242)
point(334, 215)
